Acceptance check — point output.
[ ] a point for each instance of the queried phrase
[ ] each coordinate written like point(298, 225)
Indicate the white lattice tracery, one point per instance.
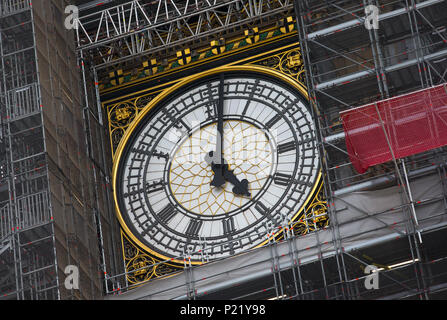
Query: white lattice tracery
point(248, 152)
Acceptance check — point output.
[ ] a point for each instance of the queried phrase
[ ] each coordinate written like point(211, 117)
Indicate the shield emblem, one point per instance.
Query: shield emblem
point(287, 25)
point(184, 56)
point(252, 35)
point(217, 47)
point(116, 77)
point(150, 67)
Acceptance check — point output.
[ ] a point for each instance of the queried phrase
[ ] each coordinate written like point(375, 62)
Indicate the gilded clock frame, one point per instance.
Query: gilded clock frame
point(284, 63)
point(153, 103)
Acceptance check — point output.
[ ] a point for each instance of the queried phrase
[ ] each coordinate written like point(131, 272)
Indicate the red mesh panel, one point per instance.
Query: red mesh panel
point(413, 123)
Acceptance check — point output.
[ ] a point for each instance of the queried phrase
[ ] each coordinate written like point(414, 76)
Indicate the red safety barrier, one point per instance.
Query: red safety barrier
point(413, 123)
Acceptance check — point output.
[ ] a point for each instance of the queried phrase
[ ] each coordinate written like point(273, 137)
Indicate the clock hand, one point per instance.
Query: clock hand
point(222, 174)
point(218, 180)
point(216, 160)
point(240, 187)
point(217, 156)
point(220, 136)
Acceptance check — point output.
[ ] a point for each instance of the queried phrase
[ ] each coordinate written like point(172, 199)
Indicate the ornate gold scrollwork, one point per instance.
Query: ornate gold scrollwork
point(315, 216)
point(288, 62)
point(140, 266)
point(121, 115)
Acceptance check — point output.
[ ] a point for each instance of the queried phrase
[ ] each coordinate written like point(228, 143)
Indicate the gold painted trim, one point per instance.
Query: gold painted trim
point(154, 102)
point(201, 62)
point(239, 62)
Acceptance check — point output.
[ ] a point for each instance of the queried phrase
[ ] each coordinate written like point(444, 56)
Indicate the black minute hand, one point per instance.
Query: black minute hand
point(217, 156)
point(220, 136)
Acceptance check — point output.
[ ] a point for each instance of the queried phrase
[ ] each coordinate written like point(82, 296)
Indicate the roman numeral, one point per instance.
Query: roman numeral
point(304, 183)
point(251, 95)
point(282, 179)
point(180, 124)
point(211, 110)
point(262, 209)
point(228, 225)
point(148, 228)
point(246, 107)
point(154, 186)
point(273, 121)
point(149, 153)
point(211, 106)
point(286, 147)
point(167, 213)
point(149, 188)
point(193, 228)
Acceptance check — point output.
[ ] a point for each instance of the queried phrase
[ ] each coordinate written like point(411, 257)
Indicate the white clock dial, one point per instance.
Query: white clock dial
point(176, 197)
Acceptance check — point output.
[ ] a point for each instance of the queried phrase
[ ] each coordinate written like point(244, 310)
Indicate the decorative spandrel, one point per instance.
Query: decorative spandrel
point(288, 62)
point(121, 115)
point(141, 266)
point(315, 216)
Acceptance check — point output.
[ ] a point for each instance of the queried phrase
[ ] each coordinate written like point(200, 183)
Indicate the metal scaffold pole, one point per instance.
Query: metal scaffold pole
point(31, 228)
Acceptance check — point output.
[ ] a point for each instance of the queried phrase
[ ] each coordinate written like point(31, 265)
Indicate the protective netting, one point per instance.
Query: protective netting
point(396, 127)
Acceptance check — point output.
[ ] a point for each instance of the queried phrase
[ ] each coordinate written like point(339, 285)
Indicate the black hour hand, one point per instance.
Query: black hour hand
point(219, 179)
point(222, 174)
point(240, 187)
point(218, 169)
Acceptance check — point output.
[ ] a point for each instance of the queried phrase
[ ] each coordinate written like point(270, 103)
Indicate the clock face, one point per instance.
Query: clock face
point(215, 164)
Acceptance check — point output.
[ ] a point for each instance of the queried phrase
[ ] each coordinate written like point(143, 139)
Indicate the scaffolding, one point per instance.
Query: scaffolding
point(393, 216)
point(28, 266)
point(349, 64)
point(136, 28)
point(54, 209)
